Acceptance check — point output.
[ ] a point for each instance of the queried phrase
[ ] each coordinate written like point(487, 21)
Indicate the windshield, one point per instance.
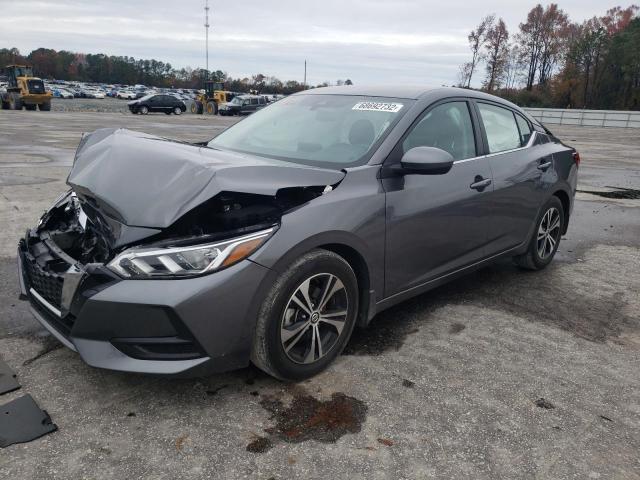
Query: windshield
point(236, 101)
point(334, 131)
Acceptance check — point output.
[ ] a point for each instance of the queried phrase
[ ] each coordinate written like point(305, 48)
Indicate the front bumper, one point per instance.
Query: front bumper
point(183, 327)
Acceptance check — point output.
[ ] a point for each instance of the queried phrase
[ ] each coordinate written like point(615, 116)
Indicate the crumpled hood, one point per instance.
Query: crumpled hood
point(147, 181)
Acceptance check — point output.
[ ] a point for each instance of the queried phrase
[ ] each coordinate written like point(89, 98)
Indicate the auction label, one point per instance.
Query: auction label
point(378, 107)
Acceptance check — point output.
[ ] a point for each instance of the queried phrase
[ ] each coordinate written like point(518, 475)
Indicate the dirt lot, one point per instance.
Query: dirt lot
point(503, 374)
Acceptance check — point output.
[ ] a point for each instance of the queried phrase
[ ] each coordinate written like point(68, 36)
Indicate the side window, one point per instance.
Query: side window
point(448, 127)
point(500, 127)
point(254, 101)
point(541, 139)
point(525, 129)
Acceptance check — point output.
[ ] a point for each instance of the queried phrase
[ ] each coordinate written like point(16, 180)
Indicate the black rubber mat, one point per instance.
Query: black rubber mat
point(22, 421)
point(8, 381)
point(622, 193)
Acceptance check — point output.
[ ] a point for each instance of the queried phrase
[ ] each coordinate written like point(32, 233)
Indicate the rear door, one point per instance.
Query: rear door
point(437, 223)
point(521, 170)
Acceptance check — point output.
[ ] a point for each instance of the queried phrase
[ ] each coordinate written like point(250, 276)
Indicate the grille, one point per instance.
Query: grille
point(47, 284)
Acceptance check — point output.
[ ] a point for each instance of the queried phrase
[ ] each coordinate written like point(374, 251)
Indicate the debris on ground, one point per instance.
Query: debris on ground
point(408, 383)
point(259, 445)
point(8, 379)
point(385, 441)
point(21, 420)
point(546, 404)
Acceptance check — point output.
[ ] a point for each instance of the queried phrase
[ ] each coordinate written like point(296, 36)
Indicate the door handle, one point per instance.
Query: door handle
point(480, 183)
point(544, 166)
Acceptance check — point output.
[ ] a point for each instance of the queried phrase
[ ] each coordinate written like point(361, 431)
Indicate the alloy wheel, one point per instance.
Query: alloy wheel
point(314, 318)
point(548, 233)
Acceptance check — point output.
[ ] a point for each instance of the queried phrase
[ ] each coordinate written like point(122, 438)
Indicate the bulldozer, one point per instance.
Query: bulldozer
point(209, 101)
point(24, 90)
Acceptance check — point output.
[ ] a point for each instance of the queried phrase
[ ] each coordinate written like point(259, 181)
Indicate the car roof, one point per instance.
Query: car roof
point(407, 92)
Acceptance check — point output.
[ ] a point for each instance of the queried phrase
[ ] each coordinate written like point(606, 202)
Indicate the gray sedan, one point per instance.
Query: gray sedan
point(272, 241)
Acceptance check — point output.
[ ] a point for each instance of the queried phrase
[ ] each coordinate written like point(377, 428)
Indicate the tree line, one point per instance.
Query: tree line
point(551, 61)
point(100, 68)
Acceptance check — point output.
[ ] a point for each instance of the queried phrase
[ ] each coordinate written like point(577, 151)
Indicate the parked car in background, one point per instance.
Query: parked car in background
point(272, 241)
point(243, 105)
point(126, 95)
point(61, 93)
point(158, 103)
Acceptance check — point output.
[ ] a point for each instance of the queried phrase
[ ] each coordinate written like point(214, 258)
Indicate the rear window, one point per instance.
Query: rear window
point(500, 127)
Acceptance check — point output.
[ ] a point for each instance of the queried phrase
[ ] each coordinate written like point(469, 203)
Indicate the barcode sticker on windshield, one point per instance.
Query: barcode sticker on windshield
point(378, 107)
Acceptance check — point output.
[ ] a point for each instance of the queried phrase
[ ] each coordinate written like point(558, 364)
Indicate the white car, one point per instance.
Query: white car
point(62, 93)
point(126, 95)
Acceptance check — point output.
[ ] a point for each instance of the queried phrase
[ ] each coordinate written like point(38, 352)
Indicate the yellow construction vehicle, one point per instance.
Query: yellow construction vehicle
point(214, 95)
point(24, 90)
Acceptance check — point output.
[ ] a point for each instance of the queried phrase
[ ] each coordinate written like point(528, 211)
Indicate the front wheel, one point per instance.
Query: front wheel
point(546, 237)
point(307, 318)
point(143, 110)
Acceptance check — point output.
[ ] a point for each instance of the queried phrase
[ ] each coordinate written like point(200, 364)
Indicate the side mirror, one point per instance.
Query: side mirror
point(425, 161)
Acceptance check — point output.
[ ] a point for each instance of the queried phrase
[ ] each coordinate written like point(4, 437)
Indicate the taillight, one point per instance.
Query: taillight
point(576, 158)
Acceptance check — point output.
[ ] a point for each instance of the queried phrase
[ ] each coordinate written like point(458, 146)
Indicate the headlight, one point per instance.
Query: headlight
point(144, 263)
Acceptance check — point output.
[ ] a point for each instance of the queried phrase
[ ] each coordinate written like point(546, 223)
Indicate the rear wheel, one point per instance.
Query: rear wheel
point(177, 111)
point(546, 237)
point(196, 107)
point(44, 107)
point(307, 318)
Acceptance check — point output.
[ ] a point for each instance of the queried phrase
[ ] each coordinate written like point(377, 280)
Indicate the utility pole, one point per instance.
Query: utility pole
point(304, 84)
point(206, 30)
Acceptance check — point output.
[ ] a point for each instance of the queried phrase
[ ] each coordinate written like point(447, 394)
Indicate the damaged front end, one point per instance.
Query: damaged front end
point(74, 265)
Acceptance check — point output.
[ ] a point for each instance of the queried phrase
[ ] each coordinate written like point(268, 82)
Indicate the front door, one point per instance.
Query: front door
point(437, 223)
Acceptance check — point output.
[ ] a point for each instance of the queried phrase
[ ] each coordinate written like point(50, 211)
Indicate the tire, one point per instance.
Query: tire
point(295, 356)
point(143, 110)
point(45, 107)
point(197, 107)
point(546, 237)
point(212, 108)
point(15, 102)
point(177, 111)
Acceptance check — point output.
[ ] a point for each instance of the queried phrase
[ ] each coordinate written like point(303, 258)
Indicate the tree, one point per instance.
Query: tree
point(497, 51)
point(554, 31)
point(477, 39)
point(348, 82)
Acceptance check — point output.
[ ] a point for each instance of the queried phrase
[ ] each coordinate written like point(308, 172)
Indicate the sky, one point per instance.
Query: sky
point(368, 41)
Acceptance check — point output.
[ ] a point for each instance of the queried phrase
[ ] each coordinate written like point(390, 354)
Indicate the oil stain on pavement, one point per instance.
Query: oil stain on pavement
point(307, 418)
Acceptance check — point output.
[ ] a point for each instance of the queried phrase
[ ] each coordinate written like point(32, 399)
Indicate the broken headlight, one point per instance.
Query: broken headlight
point(144, 263)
